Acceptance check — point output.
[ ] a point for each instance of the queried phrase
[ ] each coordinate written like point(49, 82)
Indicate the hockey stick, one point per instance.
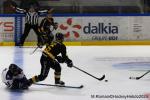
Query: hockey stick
point(65, 86)
point(34, 50)
point(100, 79)
point(137, 78)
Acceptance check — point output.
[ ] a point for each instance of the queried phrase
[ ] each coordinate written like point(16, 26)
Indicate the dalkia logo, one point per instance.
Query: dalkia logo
point(101, 28)
point(71, 28)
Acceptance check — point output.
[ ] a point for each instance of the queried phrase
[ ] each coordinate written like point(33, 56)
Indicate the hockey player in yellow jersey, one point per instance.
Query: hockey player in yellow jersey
point(50, 59)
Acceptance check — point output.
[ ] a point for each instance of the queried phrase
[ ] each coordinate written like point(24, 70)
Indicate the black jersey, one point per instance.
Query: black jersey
point(46, 25)
point(54, 49)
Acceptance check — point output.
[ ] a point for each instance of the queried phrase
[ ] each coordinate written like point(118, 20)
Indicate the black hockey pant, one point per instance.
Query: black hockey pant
point(46, 64)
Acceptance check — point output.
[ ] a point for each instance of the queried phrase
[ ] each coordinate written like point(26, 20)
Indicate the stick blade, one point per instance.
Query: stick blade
point(135, 78)
point(101, 78)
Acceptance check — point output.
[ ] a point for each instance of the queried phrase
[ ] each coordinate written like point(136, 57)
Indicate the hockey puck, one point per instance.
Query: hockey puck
point(106, 80)
point(129, 77)
point(81, 86)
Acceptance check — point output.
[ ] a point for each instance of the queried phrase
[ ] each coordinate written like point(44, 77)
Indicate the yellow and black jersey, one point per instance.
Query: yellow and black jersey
point(54, 49)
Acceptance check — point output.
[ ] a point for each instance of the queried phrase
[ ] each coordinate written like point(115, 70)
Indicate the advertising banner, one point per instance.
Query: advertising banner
point(83, 28)
point(105, 28)
point(7, 28)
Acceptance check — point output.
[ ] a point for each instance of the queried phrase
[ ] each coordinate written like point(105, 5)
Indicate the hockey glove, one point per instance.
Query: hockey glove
point(69, 63)
point(60, 59)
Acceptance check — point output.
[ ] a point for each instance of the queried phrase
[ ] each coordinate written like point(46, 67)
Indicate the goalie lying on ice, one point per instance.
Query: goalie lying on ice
point(14, 78)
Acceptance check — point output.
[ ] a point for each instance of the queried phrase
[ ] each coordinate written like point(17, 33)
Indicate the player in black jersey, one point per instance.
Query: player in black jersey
point(50, 59)
point(46, 27)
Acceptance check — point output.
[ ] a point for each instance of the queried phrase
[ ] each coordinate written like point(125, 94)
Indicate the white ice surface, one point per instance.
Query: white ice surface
point(118, 63)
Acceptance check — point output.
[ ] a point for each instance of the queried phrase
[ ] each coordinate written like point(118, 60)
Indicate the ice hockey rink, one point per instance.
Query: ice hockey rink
point(118, 63)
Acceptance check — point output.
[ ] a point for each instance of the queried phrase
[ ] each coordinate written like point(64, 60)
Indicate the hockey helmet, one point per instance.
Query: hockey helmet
point(13, 68)
point(59, 36)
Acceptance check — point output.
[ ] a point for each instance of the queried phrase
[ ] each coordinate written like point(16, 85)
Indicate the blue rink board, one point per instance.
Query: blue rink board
point(85, 14)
